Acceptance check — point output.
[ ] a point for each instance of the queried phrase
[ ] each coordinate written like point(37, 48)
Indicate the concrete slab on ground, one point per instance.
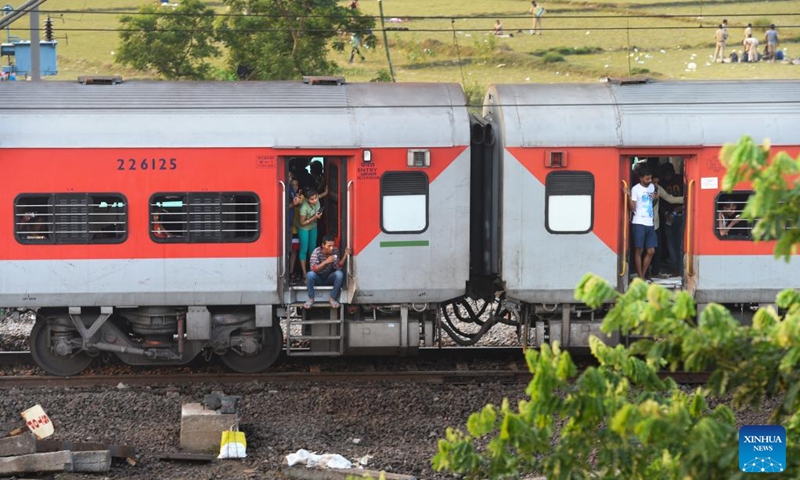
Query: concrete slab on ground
point(201, 429)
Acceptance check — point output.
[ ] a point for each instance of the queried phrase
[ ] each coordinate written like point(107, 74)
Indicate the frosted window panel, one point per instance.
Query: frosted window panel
point(569, 213)
point(404, 213)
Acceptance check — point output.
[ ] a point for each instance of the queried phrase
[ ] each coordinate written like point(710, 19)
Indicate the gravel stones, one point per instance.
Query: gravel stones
point(15, 327)
point(397, 424)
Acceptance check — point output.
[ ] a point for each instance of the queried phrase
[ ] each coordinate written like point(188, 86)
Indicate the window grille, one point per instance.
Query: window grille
point(204, 217)
point(70, 218)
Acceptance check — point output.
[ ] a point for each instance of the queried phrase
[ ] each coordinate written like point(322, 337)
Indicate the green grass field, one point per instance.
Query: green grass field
point(581, 41)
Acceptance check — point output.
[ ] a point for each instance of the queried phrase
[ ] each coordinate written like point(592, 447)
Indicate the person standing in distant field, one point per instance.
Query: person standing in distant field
point(538, 12)
point(355, 42)
point(748, 31)
point(721, 36)
point(772, 42)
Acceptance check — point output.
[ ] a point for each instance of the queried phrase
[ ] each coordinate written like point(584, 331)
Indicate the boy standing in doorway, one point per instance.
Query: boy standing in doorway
point(643, 229)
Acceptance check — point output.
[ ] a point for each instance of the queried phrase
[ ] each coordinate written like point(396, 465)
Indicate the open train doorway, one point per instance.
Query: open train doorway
point(314, 183)
point(655, 225)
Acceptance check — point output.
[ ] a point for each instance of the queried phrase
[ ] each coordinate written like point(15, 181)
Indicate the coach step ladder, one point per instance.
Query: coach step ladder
point(317, 332)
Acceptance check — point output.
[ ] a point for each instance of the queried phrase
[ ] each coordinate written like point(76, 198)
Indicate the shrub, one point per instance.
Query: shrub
point(762, 23)
point(382, 75)
point(552, 57)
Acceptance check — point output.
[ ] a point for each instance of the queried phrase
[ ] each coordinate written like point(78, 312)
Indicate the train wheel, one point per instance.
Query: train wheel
point(271, 343)
point(42, 351)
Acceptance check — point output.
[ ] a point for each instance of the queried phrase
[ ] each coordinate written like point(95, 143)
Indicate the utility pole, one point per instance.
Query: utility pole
point(36, 59)
point(386, 41)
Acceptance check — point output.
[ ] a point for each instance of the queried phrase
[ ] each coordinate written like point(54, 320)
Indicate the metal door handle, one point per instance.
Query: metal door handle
point(283, 229)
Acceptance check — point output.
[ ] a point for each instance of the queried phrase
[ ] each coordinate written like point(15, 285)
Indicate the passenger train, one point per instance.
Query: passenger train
point(151, 220)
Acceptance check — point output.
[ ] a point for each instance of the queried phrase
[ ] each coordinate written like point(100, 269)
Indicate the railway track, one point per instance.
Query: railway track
point(506, 365)
point(431, 377)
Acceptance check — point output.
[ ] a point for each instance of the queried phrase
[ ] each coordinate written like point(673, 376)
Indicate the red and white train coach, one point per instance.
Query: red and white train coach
point(149, 219)
point(566, 158)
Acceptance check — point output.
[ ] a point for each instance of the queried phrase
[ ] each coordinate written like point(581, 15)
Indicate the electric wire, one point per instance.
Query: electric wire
point(388, 29)
point(424, 17)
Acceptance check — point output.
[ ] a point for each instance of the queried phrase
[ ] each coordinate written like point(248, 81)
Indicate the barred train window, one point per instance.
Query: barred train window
point(404, 202)
point(70, 218)
point(569, 202)
point(204, 217)
point(728, 224)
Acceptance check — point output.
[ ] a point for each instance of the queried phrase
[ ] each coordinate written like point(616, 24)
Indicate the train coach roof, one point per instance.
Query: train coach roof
point(659, 114)
point(232, 114)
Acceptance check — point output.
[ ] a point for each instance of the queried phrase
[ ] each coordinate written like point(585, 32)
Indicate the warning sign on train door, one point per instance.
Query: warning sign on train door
point(38, 422)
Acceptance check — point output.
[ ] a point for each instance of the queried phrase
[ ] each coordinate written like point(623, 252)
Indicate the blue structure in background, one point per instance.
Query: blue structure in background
point(21, 51)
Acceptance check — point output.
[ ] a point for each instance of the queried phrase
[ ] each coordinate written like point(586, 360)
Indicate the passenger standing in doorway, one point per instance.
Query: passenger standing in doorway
point(292, 222)
point(307, 231)
point(643, 229)
point(673, 218)
point(658, 208)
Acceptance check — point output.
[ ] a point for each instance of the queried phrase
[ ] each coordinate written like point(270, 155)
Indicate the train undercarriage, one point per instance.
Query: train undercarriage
point(65, 341)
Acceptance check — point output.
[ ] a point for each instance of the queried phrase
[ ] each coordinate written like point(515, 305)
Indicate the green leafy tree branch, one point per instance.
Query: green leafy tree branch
point(176, 44)
point(775, 203)
point(286, 39)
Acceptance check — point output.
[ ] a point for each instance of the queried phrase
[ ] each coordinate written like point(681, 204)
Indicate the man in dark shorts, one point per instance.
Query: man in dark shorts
point(642, 228)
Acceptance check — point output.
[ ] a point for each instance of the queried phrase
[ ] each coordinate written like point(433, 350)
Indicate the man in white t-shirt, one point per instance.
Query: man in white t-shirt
point(642, 228)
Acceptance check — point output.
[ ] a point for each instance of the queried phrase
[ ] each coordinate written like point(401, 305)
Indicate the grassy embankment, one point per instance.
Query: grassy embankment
point(581, 42)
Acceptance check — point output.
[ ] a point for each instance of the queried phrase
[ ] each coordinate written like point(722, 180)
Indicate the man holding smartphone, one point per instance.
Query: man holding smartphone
point(326, 269)
point(642, 228)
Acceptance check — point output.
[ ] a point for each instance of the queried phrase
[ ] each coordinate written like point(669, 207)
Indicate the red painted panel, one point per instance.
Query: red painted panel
point(603, 163)
point(238, 169)
point(366, 201)
point(706, 241)
point(111, 170)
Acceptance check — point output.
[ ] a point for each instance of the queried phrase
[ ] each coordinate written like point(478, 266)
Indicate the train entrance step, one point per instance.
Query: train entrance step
point(313, 334)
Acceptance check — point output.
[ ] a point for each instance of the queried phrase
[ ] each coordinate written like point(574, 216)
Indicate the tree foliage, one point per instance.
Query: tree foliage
point(175, 43)
point(775, 205)
point(286, 39)
point(620, 419)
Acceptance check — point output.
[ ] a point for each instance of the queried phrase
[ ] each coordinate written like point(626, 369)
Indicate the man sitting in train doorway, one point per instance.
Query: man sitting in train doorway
point(326, 269)
point(643, 227)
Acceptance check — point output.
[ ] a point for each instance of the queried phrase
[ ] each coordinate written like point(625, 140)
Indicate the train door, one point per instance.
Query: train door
point(325, 176)
point(667, 212)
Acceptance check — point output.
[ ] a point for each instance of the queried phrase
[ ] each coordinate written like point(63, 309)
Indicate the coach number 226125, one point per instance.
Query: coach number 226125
point(147, 164)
